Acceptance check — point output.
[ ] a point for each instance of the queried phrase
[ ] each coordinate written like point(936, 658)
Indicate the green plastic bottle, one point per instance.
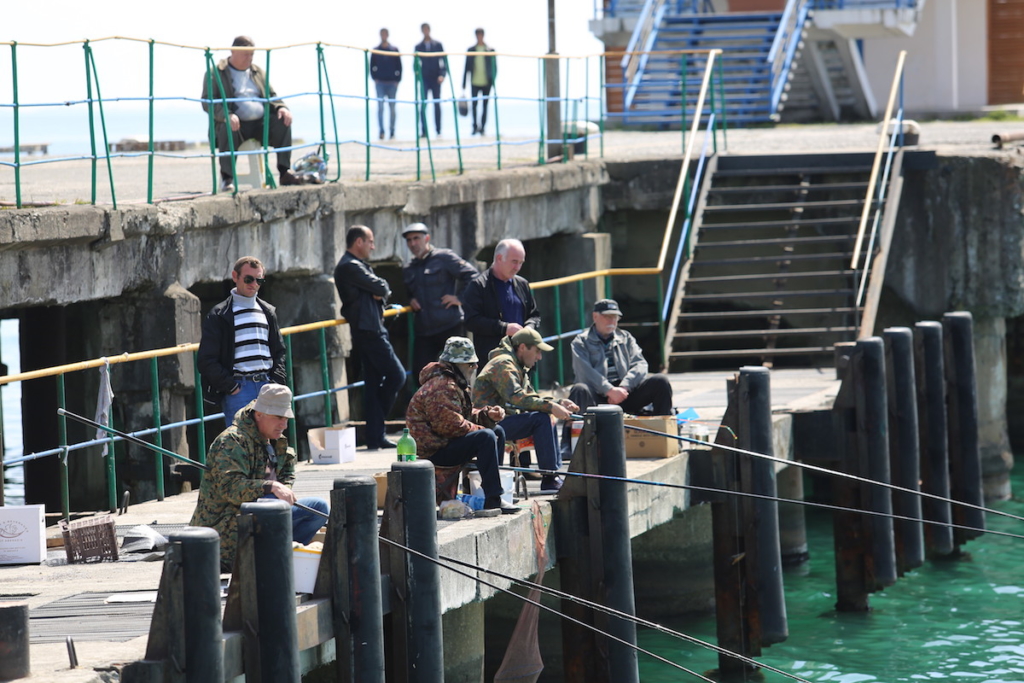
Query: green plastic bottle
point(406, 447)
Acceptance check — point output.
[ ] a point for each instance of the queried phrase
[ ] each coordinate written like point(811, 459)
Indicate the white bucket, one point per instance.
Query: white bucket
point(508, 485)
point(306, 563)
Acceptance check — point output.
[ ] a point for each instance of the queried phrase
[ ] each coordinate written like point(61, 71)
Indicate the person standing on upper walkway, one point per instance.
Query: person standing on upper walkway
point(433, 71)
point(386, 72)
point(480, 71)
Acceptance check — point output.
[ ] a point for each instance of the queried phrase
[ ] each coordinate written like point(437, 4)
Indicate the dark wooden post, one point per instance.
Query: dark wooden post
point(14, 641)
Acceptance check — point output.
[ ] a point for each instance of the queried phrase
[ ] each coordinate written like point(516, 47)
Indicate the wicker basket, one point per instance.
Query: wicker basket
point(90, 540)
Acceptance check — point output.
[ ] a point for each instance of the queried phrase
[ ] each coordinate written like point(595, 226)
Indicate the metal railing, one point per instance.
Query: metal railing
point(865, 4)
point(65, 447)
point(581, 100)
point(638, 49)
point(892, 129)
point(784, 47)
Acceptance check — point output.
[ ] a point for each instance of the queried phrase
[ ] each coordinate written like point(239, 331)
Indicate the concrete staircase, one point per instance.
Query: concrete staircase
point(770, 278)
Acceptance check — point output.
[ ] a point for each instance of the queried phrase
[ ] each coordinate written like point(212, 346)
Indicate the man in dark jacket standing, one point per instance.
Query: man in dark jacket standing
point(498, 302)
point(433, 279)
point(386, 72)
point(241, 348)
point(363, 295)
point(432, 70)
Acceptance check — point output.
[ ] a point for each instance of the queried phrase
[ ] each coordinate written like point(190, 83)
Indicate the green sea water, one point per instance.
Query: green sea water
point(954, 620)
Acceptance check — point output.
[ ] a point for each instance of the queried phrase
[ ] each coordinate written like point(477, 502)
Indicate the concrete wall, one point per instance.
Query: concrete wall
point(947, 63)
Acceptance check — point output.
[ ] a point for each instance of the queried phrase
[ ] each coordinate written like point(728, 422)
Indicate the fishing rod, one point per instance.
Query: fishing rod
point(611, 611)
point(761, 496)
point(825, 470)
point(551, 610)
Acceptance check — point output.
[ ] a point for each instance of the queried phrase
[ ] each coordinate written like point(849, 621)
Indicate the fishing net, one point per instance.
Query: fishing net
point(522, 662)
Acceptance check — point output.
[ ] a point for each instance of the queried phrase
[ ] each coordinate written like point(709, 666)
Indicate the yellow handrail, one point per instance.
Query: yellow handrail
point(875, 167)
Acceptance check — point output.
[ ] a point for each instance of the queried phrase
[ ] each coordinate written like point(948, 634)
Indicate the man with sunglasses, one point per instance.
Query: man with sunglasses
point(241, 348)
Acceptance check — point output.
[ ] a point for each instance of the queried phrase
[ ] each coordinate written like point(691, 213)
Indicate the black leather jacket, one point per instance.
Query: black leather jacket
point(357, 286)
point(483, 310)
point(216, 357)
point(427, 279)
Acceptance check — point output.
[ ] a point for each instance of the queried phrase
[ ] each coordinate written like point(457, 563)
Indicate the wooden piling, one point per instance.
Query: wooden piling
point(14, 641)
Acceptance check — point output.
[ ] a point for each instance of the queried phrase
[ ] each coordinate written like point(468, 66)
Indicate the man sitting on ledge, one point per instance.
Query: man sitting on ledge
point(610, 367)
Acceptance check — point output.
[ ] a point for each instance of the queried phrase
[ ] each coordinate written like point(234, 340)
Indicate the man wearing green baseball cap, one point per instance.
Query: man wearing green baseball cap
point(444, 423)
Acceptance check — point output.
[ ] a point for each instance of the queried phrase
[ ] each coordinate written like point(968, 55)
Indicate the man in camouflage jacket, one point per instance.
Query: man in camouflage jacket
point(250, 460)
point(505, 381)
point(441, 418)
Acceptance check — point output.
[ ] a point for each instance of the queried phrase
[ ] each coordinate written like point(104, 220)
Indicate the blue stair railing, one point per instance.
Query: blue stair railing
point(639, 47)
point(784, 47)
point(865, 4)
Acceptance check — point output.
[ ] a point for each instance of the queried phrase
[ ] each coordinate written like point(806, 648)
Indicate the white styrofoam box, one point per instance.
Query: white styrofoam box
point(577, 429)
point(22, 534)
point(332, 445)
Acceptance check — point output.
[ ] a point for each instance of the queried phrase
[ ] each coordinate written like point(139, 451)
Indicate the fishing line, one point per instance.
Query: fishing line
point(622, 615)
point(552, 610)
point(825, 470)
point(761, 496)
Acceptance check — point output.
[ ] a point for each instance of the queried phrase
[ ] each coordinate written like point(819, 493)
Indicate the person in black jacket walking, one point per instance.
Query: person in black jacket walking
point(241, 348)
point(386, 72)
point(498, 303)
point(363, 295)
point(432, 70)
point(481, 70)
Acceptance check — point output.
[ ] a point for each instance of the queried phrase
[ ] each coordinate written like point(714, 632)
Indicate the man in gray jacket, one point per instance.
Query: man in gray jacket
point(363, 295)
point(434, 278)
point(610, 367)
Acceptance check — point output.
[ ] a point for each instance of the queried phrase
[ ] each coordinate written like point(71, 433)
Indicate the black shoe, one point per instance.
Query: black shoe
point(550, 484)
point(383, 445)
point(496, 503)
point(289, 178)
point(381, 136)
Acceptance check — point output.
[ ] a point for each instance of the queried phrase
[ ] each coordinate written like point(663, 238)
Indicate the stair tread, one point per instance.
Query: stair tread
point(726, 353)
point(796, 170)
point(764, 295)
point(814, 222)
point(774, 206)
point(824, 256)
point(799, 275)
point(822, 187)
point(783, 332)
point(694, 315)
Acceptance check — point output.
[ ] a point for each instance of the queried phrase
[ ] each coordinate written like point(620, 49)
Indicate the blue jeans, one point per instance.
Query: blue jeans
point(386, 90)
point(384, 376)
point(305, 524)
point(233, 403)
point(538, 425)
point(486, 446)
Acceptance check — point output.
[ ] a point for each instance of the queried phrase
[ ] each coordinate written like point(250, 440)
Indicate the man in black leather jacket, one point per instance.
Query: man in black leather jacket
point(363, 295)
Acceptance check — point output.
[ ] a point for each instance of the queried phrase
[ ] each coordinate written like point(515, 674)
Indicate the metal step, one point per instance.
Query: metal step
point(780, 206)
point(823, 187)
point(694, 298)
point(805, 170)
point(794, 222)
point(770, 276)
point(748, 334)
point(755, 260)
point(787, 312)
point(782, 241)
point(740, 353)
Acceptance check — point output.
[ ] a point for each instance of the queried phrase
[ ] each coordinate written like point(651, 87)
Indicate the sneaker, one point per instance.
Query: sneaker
point(550, 484)
point(226, 185)
point(496, 503)
point(289, 178)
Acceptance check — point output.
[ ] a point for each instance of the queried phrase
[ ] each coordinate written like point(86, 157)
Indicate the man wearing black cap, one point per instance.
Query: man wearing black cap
point(237, 78)
point(433, 278)
point(610, 367)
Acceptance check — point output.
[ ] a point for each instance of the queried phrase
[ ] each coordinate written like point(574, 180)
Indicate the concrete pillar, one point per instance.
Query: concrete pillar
point(991, 367)
point(463, 634)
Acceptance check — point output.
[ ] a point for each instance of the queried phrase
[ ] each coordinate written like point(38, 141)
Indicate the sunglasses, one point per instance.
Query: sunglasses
point(249, 279)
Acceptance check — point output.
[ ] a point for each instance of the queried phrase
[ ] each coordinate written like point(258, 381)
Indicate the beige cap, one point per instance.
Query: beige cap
point(275, 399)
point(530, 337)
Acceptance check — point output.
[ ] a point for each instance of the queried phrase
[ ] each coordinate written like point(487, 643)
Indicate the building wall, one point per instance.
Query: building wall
point(939, 80)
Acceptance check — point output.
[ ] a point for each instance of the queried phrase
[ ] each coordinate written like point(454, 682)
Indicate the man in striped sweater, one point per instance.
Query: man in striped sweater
point(241, 348)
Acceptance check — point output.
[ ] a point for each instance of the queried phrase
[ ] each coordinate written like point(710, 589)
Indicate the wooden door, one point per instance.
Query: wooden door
point(1005, 51)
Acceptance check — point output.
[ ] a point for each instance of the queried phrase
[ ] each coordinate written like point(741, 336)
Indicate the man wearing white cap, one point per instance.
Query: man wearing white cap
point(433, 278)
point(610, 367)
point(251, 460)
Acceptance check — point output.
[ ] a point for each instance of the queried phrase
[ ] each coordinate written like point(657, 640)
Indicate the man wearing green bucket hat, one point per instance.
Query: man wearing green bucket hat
point(444, 423)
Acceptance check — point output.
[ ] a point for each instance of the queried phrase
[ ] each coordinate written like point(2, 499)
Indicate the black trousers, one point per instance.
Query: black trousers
point(486, 446)
point(384, 376)
point(279, 135)
point(482, 91)
point(429, 347)
point(655, 389)
point(434, 90)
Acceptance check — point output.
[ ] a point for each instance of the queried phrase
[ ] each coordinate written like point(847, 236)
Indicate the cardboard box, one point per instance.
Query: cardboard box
point(22, 534)
point(382, 488)
point(644, 445)
point(332, 445)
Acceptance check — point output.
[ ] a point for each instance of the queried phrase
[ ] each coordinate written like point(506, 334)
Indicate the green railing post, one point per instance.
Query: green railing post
point(103, 127)
point(661, 320)
point(497, 122)
point(417, 82)
point(685, 99)
point(289, 369)
point(603, 101)
point(158, 438)
point(724, 117)
point(111, 467)
point(586, 106)
point(149, 174)
point(228, 133)
point(608, 288)
point(542, 102)
point(334, 116)
point(558, 332)
point(328, 421)
point(583, 304)
point(320, 97)
point(366, 99)
point(268, 175)
point(92, 123)
point(62, 436)
point(212, 127)
point(455, 112)
point(565, 114)
point(200, 412)
point(411, 355)
point(17, 126)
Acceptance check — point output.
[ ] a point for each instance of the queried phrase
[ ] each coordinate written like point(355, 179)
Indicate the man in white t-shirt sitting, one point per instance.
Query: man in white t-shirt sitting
point(237, 78)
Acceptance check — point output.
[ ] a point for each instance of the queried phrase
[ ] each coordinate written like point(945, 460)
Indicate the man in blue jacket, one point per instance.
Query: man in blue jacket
point(386, 72)
point(433, 278)
point(363, 295)
point(433, 70)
